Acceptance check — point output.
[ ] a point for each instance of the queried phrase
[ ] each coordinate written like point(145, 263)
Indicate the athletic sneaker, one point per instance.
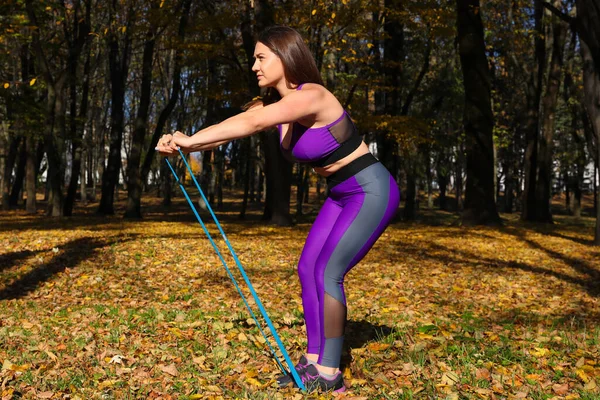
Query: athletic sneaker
point(286, 379)
point(314, 381)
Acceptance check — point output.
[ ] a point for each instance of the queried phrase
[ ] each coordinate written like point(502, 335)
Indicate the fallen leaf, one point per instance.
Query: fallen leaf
point(560, 389)
point(170, 369)
point(591, 386)
point(116, 360)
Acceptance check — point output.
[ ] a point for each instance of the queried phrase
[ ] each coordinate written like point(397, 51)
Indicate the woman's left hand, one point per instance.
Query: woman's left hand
point(170, 144)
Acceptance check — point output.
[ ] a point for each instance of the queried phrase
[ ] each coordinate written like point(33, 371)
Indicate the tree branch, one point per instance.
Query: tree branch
point(568, 19)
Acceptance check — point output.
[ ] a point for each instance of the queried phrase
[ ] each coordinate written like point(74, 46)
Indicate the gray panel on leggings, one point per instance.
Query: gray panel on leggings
point(361, 229)
point(334, 348)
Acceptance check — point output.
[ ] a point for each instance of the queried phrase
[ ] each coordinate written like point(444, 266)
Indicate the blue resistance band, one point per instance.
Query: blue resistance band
point(285, 354)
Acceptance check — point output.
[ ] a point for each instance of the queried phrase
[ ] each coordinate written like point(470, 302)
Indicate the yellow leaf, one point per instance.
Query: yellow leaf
point(108, 383)
point(540, 352)
point(20, 368)
point(213, 388)
point(124, 29)
point(450, 378)
point(26, 324)
point(252, 374)
point(45, 395)
point(332, 15)
point(242, 337)
point(162, 3)
point(253, 382)
point(6, 85)
point(378, 346)
point(32, 82)
point(347, 373)
point(582, 375)
point(314, 11)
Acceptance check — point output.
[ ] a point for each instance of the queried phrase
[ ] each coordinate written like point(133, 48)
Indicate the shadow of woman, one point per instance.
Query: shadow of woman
point(358, 334)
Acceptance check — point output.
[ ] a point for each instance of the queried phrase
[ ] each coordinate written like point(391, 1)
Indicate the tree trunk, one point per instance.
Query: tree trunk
point(134, 183)
point(300, 188)
point(480, 207)
point(31, 175)
point(54, 123)
point(54, 151)
point(429, 176)
point(534, 92)
point(8, 150)
point(246, 150)
point(442, 179)
point(17, 188)
point(509, 181)
point(459, 182)
point(410, 206)
point(220, 177)
point(588, 11)
point(549, 102)
point(118, 61)
point(278, 172)
point(81, 36)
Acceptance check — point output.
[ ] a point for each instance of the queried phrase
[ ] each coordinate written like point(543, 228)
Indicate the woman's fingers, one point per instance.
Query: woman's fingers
point(165, 145)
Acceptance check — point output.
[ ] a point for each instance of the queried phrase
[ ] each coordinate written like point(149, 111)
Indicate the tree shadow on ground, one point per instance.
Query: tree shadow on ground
point(446, 255)
point(9, 260)
point(572, 228)
point(70, 256)
point(592, 285)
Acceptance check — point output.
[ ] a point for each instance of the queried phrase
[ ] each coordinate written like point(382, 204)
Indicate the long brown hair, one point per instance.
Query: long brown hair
point(298, 63)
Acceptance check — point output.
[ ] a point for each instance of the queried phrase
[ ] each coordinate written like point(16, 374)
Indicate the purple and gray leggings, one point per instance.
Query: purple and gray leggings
point(363, 199)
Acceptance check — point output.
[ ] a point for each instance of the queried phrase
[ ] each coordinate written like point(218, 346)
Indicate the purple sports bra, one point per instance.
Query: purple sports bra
point(324, 145)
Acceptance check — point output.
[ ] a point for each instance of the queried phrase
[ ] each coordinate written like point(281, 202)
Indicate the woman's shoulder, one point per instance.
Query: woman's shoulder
point(319, 92)
point(312, 86)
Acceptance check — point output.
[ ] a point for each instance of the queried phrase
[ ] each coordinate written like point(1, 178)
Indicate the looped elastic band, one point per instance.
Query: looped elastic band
point(263, 312)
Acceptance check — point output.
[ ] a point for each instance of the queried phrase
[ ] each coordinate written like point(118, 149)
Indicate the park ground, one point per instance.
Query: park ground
point(105, 308)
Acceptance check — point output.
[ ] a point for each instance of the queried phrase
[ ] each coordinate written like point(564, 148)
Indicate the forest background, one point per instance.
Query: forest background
point(496, 104)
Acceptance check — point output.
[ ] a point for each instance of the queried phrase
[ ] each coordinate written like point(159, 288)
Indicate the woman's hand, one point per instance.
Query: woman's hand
point(171, 143)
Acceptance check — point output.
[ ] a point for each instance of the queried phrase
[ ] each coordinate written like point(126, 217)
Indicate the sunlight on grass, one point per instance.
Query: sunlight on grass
point(105, 308)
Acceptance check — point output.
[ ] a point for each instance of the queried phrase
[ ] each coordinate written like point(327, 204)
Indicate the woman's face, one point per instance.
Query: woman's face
point(267, 66)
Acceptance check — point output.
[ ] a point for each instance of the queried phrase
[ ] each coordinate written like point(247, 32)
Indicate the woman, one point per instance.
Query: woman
point(363, 197)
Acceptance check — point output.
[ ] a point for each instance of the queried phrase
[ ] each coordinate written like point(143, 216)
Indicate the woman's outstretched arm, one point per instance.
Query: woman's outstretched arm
point(292, 107)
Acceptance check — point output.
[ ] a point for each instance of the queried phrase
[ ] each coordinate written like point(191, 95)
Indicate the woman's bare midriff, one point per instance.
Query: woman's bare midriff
point(331, 168)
